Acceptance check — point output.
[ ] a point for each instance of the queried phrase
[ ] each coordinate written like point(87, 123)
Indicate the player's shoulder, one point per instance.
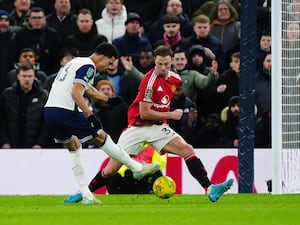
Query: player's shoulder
point(174, 75)
point(81, 61)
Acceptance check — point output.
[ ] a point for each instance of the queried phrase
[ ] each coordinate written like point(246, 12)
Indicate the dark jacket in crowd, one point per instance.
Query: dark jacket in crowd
point(263, 91)
point(263, 131)
point(114, 119)
point(131, 45)
point(84, 43)
point(156, 30)
point(65, 27)
point(22, 121)
point(6, 56)
point(210, 42)
point(232, 81)
point(46, 44)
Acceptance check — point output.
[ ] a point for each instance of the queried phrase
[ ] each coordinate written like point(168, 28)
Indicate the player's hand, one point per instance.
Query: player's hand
point(127, 63)
point(177, 114)
point(116, 100)
point(95, 123)
point(214, 67)
point(221, 88)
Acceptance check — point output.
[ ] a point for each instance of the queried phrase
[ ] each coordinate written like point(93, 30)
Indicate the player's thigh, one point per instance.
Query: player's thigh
point(133, 139)
point(179, 146)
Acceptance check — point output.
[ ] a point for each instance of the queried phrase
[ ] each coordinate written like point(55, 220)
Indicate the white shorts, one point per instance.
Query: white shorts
point(133, 138)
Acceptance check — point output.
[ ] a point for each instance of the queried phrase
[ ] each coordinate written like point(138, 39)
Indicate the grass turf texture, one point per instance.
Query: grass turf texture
point(241, 209)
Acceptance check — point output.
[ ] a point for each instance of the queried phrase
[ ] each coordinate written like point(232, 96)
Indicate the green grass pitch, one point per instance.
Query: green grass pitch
point(240, 209)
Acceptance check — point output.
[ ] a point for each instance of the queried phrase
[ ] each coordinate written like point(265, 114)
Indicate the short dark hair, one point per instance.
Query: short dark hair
point(170, 19)
point(36, 10)
point(107, 49)
point(25, 67)
point(26, 50)
point(163, 50)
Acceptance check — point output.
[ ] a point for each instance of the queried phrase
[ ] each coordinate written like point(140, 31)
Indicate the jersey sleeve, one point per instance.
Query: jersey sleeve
point(146, 90)
point(85, 74)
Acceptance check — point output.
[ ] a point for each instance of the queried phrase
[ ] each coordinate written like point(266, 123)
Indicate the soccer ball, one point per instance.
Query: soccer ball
point(164, 187)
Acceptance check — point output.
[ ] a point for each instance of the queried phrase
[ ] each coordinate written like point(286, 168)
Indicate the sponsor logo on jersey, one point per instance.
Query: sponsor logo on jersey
point(159, 88)
point(90, 73)
point(148, 94)
point(165, 100)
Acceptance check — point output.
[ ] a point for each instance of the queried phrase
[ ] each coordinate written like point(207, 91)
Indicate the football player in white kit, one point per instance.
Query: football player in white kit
point(72, 122)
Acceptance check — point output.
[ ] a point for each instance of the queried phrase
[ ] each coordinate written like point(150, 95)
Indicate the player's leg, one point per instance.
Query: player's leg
point(75, 149)
point(179, 147)
point(105, 142)
point(103, 176)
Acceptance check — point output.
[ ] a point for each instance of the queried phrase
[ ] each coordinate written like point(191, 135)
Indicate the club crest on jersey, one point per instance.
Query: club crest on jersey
point(173, 88)
point(148, 94)
point(90, 73)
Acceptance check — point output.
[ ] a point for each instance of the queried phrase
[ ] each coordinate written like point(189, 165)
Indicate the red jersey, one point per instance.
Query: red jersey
point(154, 89)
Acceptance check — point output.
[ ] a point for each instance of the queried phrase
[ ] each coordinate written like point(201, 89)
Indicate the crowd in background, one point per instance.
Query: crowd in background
point(39, 37)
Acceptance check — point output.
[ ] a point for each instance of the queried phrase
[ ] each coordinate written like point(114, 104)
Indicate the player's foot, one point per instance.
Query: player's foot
point(215, 191)
point(94, 200)
point(147, 170)
point(77, 197)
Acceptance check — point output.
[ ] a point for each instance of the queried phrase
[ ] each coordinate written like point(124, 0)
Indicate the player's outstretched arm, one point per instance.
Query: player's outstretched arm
point(95, 94)
point(98, 95)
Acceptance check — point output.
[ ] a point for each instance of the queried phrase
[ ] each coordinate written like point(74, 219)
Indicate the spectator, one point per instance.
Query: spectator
point(95, 6)
point(263, 86)
point(186, 6)
point(225, 26)
point(112, 23)
point(85, 38)
point(6, 49)
point(263, 132)
point(47, 5)
point(202, 36)
point(62, 19)
point(113, 117)
point(230, 116)
point(64, 56)
point(206, 7)
point(191, 79)
point(146, 60)
point(131, 44)
point(263, 17)
point(174, 8)
point(44, 40)
point(264, 46)
point(197, 59)
point(171, 36)
point(186, 126)
point(149, 10)
point(22, 120)
point(206, 97)
point(210, 135)
point(27, 55)
point(19, 15)
point(126, 82)
point(228, 84)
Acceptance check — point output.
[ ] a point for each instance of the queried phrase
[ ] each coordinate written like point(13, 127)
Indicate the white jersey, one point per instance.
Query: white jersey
point(81, 70)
